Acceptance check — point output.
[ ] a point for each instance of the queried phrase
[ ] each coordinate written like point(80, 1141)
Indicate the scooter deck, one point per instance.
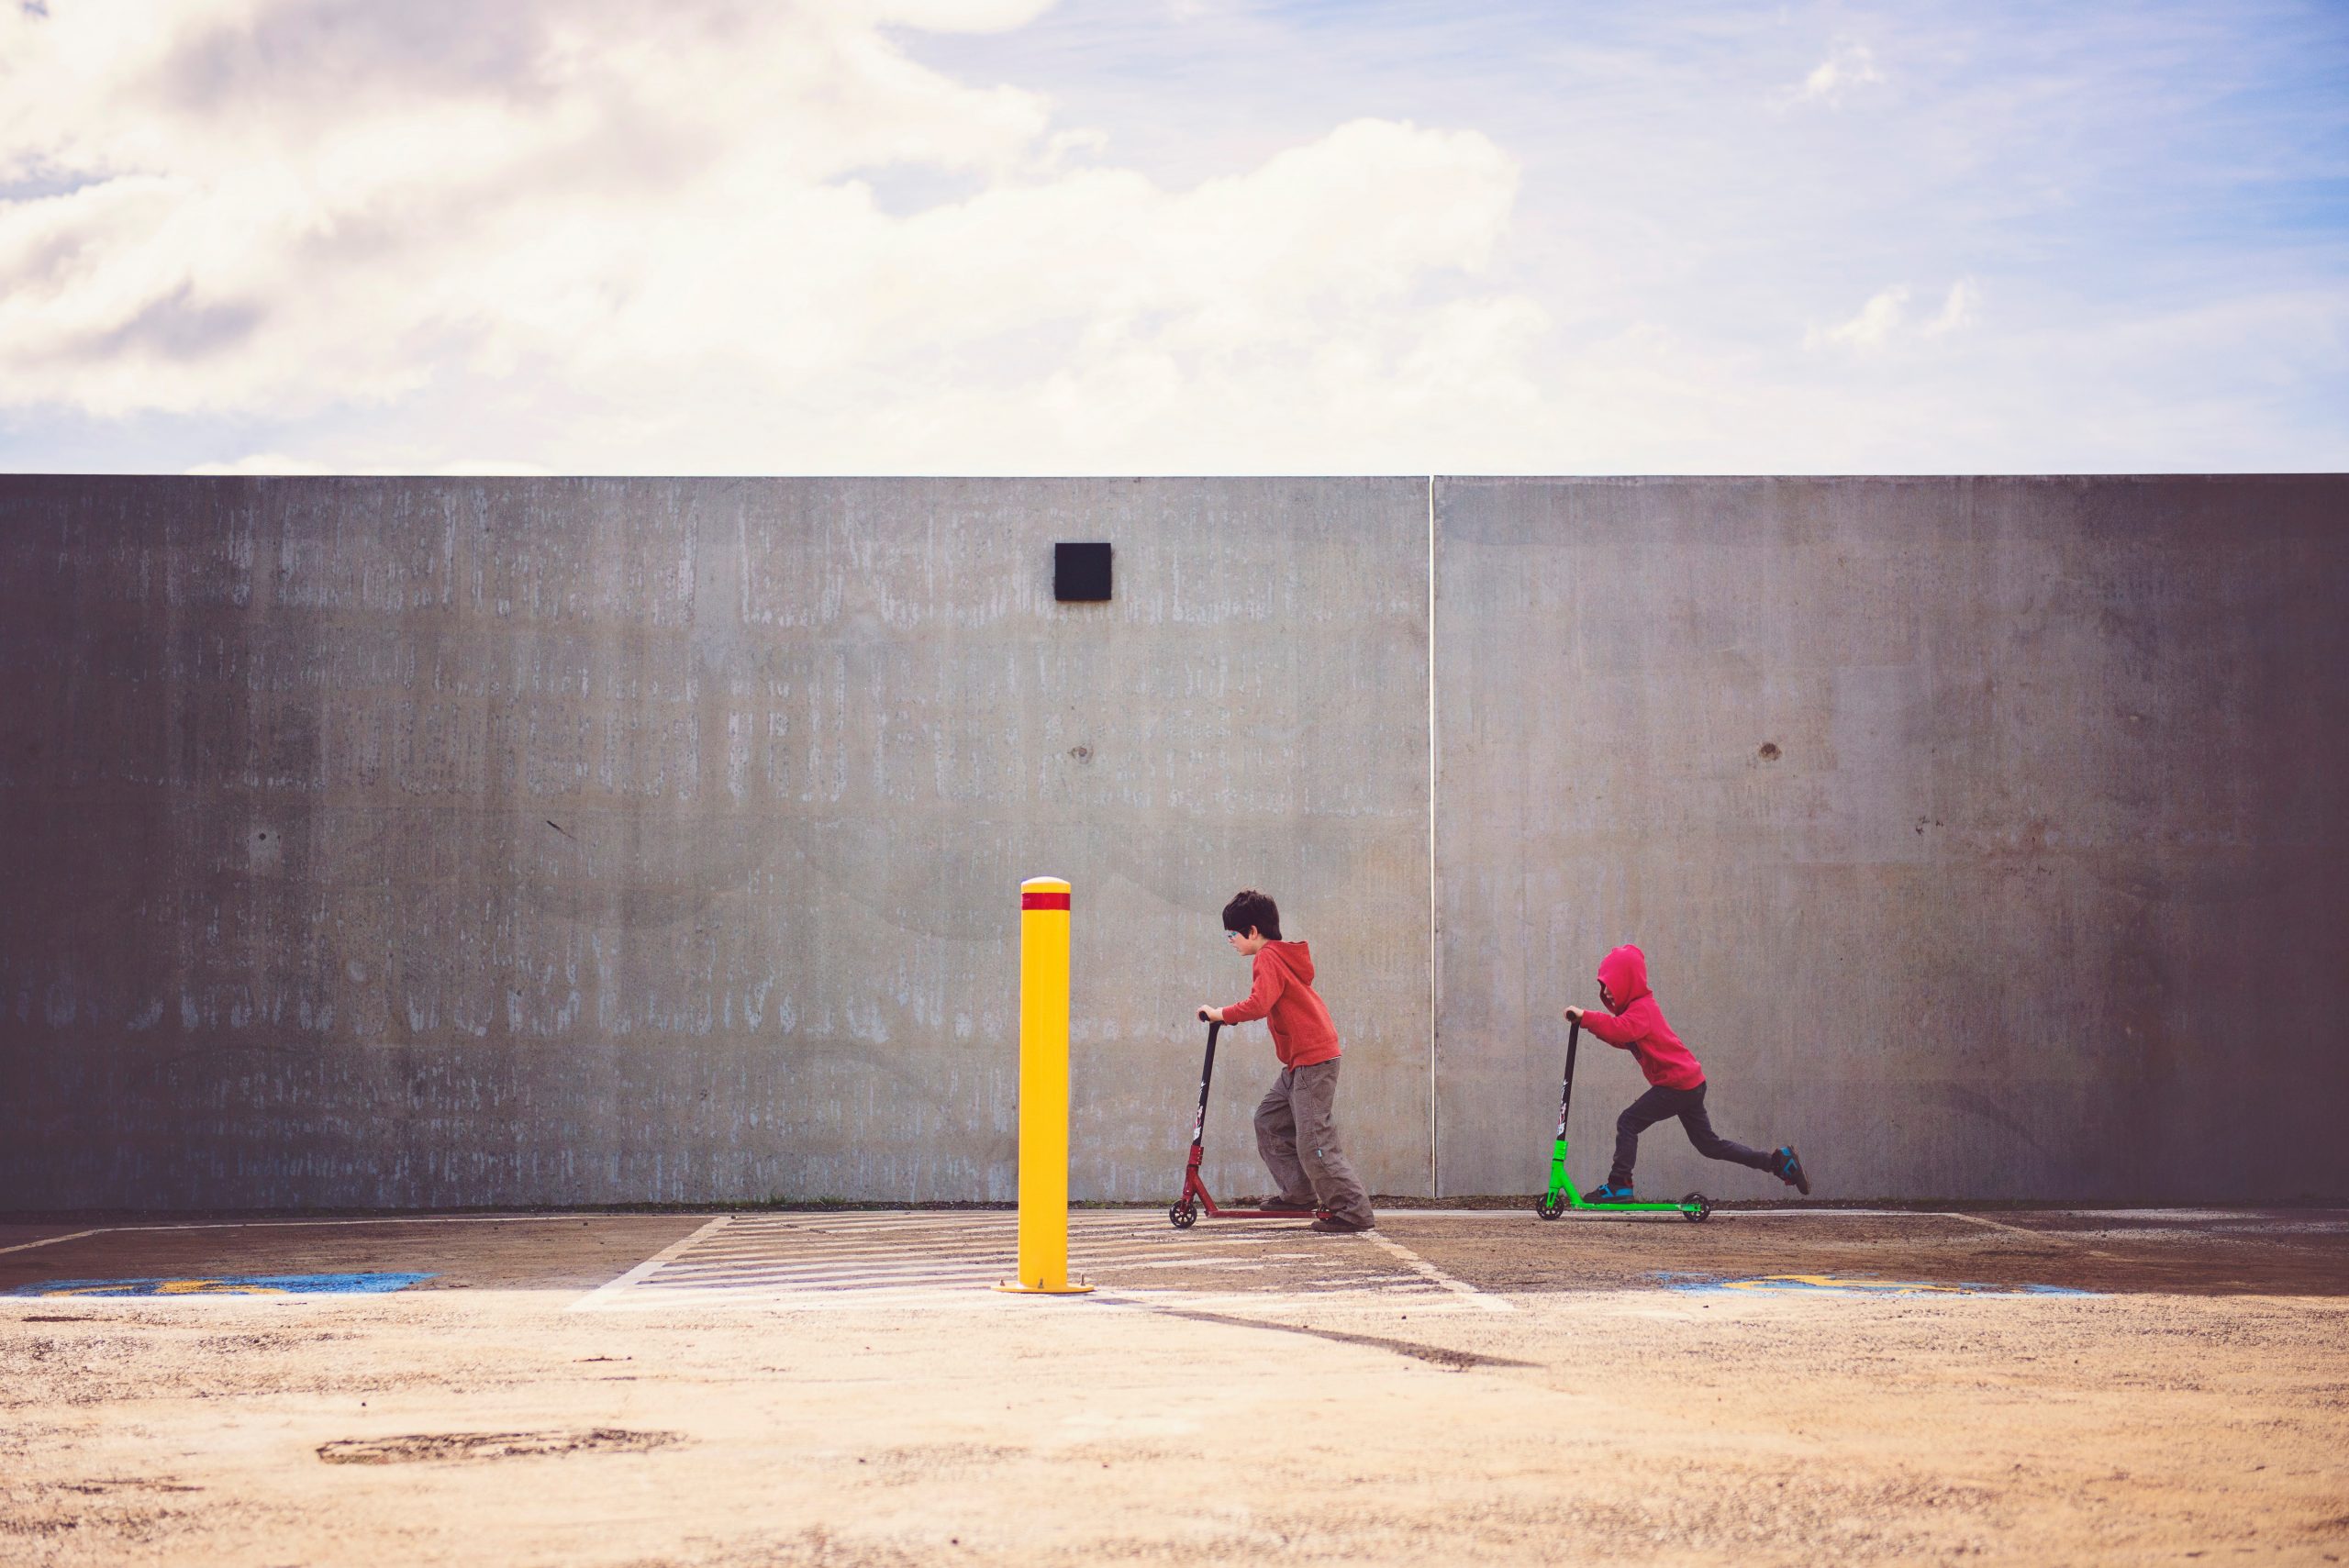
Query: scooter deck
point(1562, 1192)
point(1196, 1200)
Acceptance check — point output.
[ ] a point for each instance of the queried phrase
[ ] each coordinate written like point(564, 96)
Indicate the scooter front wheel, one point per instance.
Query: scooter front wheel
point(1183, 1216)
point(1548, 1208)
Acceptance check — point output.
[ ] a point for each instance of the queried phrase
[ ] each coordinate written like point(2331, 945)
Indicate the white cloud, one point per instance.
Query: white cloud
point(1884, 319)
point(1873, 327)
point(1958, 310)
point(261, 463)
point(793, 236)
point(615, 236)
point(1848, 66)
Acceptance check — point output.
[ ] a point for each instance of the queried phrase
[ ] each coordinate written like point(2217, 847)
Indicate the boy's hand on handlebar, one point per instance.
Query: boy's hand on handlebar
point(1574, 1014)
point(1211, 1015)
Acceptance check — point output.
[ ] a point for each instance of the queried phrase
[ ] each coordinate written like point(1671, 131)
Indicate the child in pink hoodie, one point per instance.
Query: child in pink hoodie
point(1676, 1082)
point(1296, 1128)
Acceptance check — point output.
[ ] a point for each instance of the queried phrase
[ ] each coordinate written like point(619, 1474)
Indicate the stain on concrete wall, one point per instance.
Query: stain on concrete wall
point(434, 843)
point(1985, 836)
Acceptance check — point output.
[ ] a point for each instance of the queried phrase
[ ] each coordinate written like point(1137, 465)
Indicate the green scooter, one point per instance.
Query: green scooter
point(1561, 1195)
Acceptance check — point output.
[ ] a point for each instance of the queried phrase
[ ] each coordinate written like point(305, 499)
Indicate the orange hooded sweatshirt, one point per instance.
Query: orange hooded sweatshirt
point(1282, 996)
point(1637, 1026)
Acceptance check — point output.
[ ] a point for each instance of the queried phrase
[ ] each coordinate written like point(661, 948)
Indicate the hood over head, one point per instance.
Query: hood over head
point(1624, 973)
point(1297, 956)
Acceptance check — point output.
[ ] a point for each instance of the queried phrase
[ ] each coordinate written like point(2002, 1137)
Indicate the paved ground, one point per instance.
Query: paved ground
point(1775, 1387)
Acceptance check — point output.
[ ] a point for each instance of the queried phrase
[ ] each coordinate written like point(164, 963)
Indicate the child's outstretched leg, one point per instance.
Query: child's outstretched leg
point(1783, 1163)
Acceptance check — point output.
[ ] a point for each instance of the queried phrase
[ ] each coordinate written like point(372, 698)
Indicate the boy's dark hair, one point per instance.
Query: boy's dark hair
point(1249, 907)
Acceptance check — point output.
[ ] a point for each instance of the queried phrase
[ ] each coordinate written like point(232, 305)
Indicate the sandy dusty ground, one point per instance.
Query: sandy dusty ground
point(1770, 1388)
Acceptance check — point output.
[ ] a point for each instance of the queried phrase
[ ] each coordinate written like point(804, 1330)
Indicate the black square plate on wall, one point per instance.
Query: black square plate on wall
point(1080, 571)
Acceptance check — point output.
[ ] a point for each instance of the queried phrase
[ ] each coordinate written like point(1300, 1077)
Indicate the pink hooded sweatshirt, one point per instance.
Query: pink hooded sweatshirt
point(1282, 996)
point(1638, 1025)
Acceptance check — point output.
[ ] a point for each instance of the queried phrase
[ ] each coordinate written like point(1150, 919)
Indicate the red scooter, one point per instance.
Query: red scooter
point(1195, 1196)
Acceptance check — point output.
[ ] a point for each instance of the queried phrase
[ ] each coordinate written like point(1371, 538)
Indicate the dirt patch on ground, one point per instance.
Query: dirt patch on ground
point(427, 1448)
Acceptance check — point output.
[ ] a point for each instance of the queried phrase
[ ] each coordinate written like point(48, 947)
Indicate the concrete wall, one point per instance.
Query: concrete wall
point(423, 843)
point(1985, 836)
point(436, 842)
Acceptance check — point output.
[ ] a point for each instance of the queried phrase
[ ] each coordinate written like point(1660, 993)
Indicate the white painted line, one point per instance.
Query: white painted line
point(210, 1300)
point(2055, 1236)
point(384, 1219)
point(643, 1270)
point(2001, 1224)
point(49, 1241)
point(2184, 1215)
point(1421, 1266)
point(1512, 1214)
point(1368, 1305)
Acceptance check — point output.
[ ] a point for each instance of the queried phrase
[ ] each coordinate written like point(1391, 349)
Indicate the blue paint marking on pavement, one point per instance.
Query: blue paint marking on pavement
point(1851, 1285)
point(228, 1285)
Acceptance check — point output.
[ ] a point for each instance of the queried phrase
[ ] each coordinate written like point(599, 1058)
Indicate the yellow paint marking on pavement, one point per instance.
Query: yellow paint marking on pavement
point(1833, 1282)
point(171, 1287)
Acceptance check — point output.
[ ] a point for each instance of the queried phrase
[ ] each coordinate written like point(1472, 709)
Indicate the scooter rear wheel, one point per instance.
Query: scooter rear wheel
point(1697, 1206)
point(1548, 1208)
point(1183, 1216)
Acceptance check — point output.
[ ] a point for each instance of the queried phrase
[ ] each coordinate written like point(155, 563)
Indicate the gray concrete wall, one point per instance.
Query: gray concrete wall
point(1985, 836)
point(444, 842)
point(434, 843)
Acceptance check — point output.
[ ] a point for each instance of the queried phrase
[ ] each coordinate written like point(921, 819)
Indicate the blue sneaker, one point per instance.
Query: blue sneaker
point(1607, 1192)
point(1790, 1170)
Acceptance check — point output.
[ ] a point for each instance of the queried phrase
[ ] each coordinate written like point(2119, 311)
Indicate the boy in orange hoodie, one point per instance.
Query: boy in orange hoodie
point(1634, 1023)
point(1297, 1131)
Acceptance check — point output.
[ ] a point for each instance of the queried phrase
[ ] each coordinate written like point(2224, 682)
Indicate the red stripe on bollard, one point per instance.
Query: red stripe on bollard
point(1043, 901)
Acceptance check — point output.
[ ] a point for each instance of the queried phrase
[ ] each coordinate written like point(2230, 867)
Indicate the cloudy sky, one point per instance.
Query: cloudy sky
point(1171, 236)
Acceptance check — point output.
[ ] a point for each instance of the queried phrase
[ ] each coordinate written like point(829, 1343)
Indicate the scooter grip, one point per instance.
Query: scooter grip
point(1202, 1016)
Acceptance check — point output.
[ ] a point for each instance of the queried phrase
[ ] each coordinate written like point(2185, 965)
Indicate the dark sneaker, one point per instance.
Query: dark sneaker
point(1330, 1225)
point(1790, 1170)
point(1609, 1193)
point(1302, 1205)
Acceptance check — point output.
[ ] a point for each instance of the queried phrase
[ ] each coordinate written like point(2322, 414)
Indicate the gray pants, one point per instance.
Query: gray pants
point(1297, 1135)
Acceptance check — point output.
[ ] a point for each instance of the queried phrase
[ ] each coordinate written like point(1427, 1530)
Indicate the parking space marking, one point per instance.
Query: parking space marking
point(801, 1260)
point(650, 1265)
point(49, 1240)
point(1990, 1223)
point(1420, 1266)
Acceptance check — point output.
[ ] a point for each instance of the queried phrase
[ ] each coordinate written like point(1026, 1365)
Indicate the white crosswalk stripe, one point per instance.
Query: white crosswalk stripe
point(922, 1259)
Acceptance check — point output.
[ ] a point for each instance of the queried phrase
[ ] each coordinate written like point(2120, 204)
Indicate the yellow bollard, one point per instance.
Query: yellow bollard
point(1043, 1091)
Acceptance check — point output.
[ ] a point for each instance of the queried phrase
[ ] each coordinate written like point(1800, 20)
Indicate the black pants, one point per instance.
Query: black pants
point(1660, 1105)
